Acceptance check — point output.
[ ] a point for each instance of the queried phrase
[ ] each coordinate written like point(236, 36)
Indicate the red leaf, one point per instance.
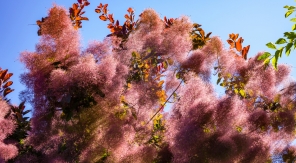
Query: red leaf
point(3, 73)
point(103, 17)
point(79, 1)
point(231, 43)
point(7, 84)
point(7, 76)
point(7, 91)
point(126, 17)
point(98, 10)
point(111, 18)
point(130, 10)
point(75, 6)
point(82, 12)
point(117, 23)
point(110, 25)
point(86, 3)
point(245, 52)
point(105, 9)
point(238, 44)
point(165, 19)
point(84, 18)
point(38, 22)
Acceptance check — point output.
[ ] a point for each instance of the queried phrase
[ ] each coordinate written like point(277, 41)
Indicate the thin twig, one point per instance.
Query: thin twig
point(165, 102)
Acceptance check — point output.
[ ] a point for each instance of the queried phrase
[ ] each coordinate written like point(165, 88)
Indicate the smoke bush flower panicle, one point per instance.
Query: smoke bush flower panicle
point(176, 39)
point(99, 49)
point(7, 126)
point(200, 61)
point(282, 74)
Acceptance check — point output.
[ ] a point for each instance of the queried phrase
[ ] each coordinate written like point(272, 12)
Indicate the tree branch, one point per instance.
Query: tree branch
point(165, 102)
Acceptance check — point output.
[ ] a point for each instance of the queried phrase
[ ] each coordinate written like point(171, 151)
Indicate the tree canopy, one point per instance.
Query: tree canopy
point(105, 103)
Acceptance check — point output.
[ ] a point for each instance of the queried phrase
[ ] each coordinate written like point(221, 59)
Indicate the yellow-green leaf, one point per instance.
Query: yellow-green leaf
point(264, 56)
point(288, 13)
point(293, 20)
point(294, 27)
point(242, 93)
point(271, 45)
point(281, 41)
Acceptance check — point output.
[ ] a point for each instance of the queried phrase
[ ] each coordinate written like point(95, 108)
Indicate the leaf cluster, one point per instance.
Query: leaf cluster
point(116, 29)
point(198, 36)
point(76, 13)
point(237, 44)
point(287, 42)
point(5, 83)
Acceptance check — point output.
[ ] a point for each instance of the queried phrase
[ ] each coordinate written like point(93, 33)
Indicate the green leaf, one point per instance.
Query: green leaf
point(266, 62)
point(288, 48)
point(165, 64)
point(290, 35)
point(242, 93)
point(178, 75)
point(218, 81)
point(271, 45)
point(288, 13)
point(293, 20)
point(294, 27)
point(286, 6)
point(288, 52)
point(291, 7)
point(281, 41)
point(280, 51)
point(264, 56)
point(275, 59)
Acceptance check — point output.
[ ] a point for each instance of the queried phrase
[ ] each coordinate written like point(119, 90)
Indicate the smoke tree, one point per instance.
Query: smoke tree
point(105, 103)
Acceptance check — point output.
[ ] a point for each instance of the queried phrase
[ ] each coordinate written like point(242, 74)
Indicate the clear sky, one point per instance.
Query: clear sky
point(257, 21)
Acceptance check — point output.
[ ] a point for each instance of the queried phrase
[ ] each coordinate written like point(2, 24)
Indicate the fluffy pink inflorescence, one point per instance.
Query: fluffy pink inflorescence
point(7, 126)
point(200, 61)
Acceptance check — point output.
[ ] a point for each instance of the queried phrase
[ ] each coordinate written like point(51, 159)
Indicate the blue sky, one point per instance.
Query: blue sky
point(257, 21)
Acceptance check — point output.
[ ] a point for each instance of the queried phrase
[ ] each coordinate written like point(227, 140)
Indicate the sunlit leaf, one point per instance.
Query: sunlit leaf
point(86, 3)
point(238, 44)
point(264, 56)
point(288, 13)
point(242, 93)
point(294, 27)
point(110, 16)
point(3, 73)
point(288, 48)
point(271, 45)
point(103, 17)
point(7, 77)
point(7, 84)
point(293, 20)
point(130, 10)
point(98, 10)
point(281, 41)
point(274, 60)
point(160, 83)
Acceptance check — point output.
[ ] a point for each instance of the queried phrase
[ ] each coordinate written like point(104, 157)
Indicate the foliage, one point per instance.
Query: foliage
point(105, 103)
point(287, 42)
